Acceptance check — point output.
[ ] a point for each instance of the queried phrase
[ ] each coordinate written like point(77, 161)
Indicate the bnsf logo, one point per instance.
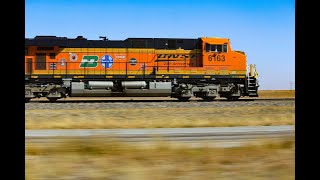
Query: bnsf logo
point(89, 61)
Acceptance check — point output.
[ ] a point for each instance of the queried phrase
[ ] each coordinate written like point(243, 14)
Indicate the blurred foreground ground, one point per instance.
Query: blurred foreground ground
point(114, 160)
point(82, 159)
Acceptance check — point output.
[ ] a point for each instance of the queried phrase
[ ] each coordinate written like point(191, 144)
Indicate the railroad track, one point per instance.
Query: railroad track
point(106, 100)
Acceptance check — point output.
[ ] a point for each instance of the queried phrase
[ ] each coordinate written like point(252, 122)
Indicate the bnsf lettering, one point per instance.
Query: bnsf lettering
point(176, 56)
point(179, 64)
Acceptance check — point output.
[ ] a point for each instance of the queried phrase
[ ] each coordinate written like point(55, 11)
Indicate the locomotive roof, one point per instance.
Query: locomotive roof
point(81, 42)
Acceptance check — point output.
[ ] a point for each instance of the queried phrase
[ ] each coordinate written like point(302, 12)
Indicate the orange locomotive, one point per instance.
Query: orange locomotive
point(207, 67)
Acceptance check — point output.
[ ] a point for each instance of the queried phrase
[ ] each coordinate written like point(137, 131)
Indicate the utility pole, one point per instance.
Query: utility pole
point(291, 84)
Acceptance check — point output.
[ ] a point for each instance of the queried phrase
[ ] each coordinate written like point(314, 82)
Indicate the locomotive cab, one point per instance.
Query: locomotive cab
point(217, 54)
point(221, 60)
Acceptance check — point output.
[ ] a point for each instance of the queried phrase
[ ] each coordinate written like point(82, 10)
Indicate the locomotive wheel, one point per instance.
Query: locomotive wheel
point(208, 98)
point(26, 100)
point(183, 99)
point(52, 100)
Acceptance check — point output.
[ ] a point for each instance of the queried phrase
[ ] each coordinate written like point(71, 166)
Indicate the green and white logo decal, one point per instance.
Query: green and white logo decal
point(89, 62)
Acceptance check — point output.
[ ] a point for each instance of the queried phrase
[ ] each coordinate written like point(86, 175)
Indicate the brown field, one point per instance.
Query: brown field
point(161, 114)
point(109, 159)
point(273, 159)
point(276, 93)
point(159, 117)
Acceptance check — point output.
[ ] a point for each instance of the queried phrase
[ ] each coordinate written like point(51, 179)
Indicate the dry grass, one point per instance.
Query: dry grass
point(97, 159)
point(160, 117)
point(276, 93)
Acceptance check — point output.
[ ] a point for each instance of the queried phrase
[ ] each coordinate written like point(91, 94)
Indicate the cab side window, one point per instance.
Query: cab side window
point(213, 48)
point(219, 48)
point(216, 48)
point(207, 47)
point(225, 48)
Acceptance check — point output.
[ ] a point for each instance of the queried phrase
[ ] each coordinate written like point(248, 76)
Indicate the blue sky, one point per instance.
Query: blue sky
point(264, 29)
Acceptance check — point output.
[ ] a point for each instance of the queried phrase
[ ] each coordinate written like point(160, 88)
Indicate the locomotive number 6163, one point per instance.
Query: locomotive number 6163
point(216, 57)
